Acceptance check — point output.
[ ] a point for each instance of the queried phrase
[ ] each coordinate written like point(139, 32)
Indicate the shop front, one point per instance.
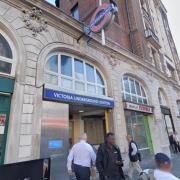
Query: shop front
point(137, 124)
point(7, 71)
point(5, 102)
point(137, 112)
point(167, 116)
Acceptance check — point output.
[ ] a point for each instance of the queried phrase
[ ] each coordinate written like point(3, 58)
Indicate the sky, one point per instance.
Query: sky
point(173, 8)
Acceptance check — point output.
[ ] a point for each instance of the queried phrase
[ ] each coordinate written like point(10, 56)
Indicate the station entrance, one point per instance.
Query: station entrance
point(88, 119)
point(65, 116)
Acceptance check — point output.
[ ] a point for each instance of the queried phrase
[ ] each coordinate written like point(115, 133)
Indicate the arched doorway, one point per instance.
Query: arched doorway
point(7, 72)
point(75, 100)
point(166, 112)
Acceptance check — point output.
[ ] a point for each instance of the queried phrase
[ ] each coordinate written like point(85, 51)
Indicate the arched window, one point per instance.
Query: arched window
point(133, 91)
point(71, 73)
point(178, 106)
point(161, 97)
point(6, 57)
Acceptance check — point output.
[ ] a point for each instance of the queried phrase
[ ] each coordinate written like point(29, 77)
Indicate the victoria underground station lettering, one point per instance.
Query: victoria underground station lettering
point(68, 97)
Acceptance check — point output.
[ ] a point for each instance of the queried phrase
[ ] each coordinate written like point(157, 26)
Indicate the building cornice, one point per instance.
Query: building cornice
point(74, 28)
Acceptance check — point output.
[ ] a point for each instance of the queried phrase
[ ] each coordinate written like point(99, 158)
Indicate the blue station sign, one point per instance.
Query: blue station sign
point(61, 96)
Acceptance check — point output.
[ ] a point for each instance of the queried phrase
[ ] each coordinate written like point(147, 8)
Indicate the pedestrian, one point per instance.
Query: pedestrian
point(109, 162)
point(81, 157)
point(171, 141)
point(175, 139)
point(134, 157)
point(178, 142)
point(163, 170)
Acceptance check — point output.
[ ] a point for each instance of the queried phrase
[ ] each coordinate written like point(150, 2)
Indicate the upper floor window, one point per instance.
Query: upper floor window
point(6, 57)
point(133, 91)
point(170, 70)
point(75, 12)
point(54, 2)
point(161, 98)
point(74, 74)
point(178, 106)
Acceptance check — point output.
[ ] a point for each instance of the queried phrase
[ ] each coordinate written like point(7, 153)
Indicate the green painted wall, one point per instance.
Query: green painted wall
point(6, 85)
point(148, 134)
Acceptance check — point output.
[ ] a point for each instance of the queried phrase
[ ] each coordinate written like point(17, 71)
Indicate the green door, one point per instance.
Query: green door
point(5, 102)
point(138, 127)
point(148, 134)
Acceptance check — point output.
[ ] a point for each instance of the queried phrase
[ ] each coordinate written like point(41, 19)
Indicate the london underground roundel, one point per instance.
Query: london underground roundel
point(102, 17)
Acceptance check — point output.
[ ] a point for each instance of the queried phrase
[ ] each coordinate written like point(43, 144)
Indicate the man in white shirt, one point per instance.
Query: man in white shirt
point(164, 167)
point(83, 157)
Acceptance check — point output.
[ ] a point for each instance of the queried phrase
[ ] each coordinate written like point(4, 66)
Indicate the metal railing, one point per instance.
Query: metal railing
point(146, 15)
point(149, 33)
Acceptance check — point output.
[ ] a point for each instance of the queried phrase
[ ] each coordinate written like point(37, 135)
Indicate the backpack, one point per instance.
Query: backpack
point(149, 176)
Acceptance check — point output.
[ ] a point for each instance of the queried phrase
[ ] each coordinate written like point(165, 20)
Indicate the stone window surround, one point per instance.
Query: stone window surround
point(14, 55)
point(132, 94)
point(73, 78)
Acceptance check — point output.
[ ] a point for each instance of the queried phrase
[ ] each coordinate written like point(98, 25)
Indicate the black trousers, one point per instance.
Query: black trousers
point(114, 178)
point(175, 147)
point(82, 173)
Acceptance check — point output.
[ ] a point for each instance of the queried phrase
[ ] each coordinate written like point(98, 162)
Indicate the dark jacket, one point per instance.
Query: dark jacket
point(103, 159)
point(137, 156)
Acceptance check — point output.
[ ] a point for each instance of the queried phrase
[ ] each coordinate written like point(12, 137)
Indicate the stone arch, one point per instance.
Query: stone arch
point(17, 48)
point(54, 47)
point(19, 54)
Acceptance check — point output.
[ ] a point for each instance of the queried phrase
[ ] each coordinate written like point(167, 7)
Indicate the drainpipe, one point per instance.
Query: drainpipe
point(129, 25)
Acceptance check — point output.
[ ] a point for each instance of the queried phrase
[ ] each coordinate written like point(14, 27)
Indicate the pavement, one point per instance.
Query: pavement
point(176, 165)
point(149, 164)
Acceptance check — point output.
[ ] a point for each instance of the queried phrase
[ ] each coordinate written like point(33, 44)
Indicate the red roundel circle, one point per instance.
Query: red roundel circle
point(104, 22)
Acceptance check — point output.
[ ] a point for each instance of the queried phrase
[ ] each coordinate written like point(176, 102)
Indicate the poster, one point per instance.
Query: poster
point(2, 123)
point(29, 170)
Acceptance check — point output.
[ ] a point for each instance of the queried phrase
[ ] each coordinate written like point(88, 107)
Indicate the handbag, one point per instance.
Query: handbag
point(93, 172)
point(139, 156)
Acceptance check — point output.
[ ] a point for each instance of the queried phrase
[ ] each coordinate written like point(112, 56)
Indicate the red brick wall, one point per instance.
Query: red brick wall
point(117, 32)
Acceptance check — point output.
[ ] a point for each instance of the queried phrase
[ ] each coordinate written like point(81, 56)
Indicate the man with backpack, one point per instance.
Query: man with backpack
point(134, 157)
point(163, 170)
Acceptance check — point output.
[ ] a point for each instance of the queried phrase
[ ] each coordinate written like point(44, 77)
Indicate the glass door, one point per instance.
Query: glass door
point(4, 119)
point(137, 126)
point(95, 129)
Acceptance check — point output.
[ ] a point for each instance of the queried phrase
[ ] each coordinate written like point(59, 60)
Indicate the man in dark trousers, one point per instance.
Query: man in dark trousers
point(82, 157)
point(109, 161)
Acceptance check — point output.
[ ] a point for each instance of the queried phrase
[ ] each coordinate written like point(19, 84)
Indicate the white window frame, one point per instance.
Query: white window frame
point(73, 78)
point(8, 60)
point(132, 94)
point(163, 98)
